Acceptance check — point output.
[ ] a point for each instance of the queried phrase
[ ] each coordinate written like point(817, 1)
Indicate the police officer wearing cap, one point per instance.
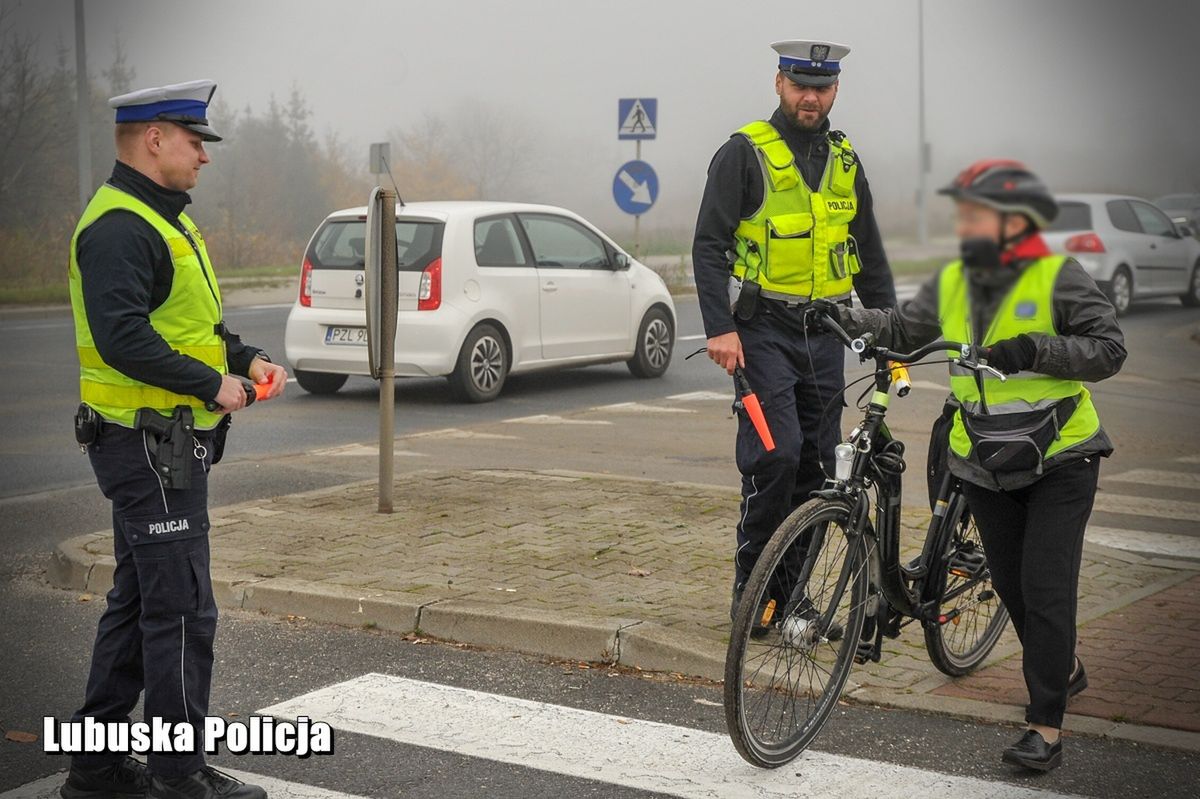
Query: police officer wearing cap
point(1027, 448)
point(786, 218)
point(158, 380)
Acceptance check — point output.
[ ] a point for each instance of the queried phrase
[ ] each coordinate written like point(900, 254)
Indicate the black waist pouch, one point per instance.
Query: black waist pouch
point(1016, 442)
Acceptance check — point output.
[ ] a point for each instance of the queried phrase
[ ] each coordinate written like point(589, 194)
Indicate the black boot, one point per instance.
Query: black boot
point(1033, 752)
point(207, 783)
point(125, 778)
point(1078, 680)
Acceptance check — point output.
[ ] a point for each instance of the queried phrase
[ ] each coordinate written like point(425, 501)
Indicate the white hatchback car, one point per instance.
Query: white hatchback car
point(1129, 246)
point(486, 290)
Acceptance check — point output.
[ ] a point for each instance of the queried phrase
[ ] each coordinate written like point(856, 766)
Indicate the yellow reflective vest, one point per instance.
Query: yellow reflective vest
point(798, 242)
point(1028, 308)
point(187, 320)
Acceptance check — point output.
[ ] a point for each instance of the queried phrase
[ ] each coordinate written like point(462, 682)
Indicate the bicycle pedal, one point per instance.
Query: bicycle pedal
point(866, 651)
point(967, 564)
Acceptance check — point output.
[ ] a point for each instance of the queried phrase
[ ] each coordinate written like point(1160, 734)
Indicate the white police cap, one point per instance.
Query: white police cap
point(810, 63)
point(184, 104)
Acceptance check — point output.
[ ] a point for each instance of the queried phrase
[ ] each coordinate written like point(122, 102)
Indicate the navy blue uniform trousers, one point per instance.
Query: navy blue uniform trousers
point(156, 634)
point(798, 380)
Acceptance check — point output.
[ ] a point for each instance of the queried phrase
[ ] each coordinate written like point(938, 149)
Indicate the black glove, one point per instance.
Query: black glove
point(821, 308)
point(1012, 355)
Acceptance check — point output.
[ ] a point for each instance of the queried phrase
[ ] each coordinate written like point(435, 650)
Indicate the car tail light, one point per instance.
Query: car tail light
point(429, 295)
point(1085, 242)
point(306, 284)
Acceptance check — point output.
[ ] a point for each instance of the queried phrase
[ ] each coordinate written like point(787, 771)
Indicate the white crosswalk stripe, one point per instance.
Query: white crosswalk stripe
point(1155, 510)
point(643, 755)
point(47, 788)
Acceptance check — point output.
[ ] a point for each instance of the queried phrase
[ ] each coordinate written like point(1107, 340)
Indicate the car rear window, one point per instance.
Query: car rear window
point(341, 244)
point(1072, 216)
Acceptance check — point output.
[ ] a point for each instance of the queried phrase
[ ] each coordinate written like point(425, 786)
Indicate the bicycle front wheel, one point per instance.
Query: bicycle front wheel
point(971, 617)
point(795, 633)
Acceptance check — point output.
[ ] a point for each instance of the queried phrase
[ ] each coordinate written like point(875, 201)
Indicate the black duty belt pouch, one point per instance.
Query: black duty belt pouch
point(220, 433)
point(171, 444)
point(1016, 442)
point(87, 425)
point(747, 301)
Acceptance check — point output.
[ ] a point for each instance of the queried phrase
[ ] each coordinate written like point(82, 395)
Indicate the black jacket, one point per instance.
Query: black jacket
point(733, 193)
point(126, 271)
point(1089, 345)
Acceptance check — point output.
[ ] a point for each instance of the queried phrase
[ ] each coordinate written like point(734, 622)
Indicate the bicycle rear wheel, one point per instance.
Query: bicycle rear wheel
point(793, 640)
point(971, 617)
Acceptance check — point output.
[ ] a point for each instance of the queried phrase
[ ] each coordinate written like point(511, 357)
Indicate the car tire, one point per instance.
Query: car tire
point(1120, 290)
point(654, 345)
point(320, 382)
point(482, 366)
point(1191, 297)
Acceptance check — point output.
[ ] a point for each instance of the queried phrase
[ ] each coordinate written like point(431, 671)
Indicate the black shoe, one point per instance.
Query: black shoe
point(1078, 680)
point(126, 778)
point(1033, 752)
point(207, 783)
point(809, 613)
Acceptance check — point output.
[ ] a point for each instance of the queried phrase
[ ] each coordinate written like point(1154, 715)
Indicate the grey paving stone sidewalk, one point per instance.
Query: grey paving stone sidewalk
point(573, 565)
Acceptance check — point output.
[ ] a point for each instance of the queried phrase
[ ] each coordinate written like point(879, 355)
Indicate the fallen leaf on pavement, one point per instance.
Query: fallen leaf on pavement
point(19, 737)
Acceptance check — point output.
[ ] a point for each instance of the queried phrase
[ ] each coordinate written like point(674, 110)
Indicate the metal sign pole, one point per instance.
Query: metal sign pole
point(389, 290)
point(637, 219)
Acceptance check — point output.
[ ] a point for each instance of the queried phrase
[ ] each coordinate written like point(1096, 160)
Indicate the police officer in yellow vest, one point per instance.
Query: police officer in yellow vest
point(1028, 448)
point(158, 382)
point(786, 217)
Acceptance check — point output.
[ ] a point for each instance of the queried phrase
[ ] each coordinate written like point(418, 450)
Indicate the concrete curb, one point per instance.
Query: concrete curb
point(81, 564)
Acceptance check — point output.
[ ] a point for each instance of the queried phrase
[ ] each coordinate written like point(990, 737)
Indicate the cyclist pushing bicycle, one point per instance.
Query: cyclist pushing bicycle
point(1023, 330)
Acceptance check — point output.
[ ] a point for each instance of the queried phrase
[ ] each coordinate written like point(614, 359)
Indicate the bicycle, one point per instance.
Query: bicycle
point(830, 584)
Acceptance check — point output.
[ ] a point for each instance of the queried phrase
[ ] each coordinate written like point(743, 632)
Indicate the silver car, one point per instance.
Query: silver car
point(1129, 246)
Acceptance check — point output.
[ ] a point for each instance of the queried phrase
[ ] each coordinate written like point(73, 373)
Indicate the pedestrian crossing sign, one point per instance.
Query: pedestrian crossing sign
point(637, 118)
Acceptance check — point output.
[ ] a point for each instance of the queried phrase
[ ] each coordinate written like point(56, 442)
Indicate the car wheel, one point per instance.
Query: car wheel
point(482, 366)
point(655, 342)
point(320, 382)
point(1120, 290)
point(1191, 298)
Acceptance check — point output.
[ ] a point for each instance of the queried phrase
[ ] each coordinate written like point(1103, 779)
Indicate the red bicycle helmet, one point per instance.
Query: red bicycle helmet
point(1007, 186)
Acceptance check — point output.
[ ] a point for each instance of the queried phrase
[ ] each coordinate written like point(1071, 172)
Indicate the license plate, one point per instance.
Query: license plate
point(354, 336)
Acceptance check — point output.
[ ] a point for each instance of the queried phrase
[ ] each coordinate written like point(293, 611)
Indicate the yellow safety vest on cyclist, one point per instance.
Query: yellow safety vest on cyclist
point(1026, 309)
point(798, 243)
point(187, 320)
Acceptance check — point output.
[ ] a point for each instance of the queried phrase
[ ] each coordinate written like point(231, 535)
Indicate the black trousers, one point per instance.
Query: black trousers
point(1034, 543)
point(795, 380)
point(156, 634)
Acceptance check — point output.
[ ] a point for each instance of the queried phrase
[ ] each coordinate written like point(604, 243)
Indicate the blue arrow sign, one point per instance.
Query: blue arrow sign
point(637, 118)
point(635, 187)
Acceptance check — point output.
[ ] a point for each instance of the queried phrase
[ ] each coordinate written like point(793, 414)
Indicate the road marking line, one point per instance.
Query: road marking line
point(703, 396)
point(929, 385)
point(454, 433)
point(1158, 477)
point(1147, 543)
point(644, 755)
point(1188, 459)
point(1147, 506)
point(47, 787)
point(543, 418)
point(362, 450)
point(697, 337)
point(636, 407)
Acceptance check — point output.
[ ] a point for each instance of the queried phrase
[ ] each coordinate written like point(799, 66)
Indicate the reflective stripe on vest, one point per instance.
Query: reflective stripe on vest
point(798, 242)
point(1028, 308)
point(186, 320)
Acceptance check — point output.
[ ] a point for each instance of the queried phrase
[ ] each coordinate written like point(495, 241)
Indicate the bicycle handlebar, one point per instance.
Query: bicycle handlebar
point(864, 347)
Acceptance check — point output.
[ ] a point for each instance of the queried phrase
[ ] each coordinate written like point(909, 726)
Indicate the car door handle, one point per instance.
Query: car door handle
point(549, 287)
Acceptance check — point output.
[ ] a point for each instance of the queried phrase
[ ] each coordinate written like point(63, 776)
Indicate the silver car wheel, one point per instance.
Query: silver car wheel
point(487, 363)
point(657, 343)
point(1121, 290)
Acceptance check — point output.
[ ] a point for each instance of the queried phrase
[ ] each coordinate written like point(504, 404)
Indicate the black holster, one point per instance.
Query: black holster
point(220, 433)
point(170, 444)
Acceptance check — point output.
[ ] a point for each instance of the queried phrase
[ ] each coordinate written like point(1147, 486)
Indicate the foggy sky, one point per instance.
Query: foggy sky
point(1095, 96)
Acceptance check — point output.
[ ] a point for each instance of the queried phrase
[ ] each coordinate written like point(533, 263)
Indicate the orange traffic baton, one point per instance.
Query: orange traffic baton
point(749, 400)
